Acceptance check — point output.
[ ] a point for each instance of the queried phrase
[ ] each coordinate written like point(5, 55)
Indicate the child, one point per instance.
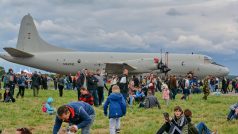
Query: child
point(8, 96)
point(85, 96)
point(117, 109)
point(49, 109)
point(165, 95)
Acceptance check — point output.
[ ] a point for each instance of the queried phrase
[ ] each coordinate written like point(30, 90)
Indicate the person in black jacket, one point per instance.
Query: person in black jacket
point(123, 84)
point(92, 87)
point(36, 81)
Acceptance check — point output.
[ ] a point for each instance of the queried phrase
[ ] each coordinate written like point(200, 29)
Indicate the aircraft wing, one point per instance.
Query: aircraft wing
point(17, 53)
point(117, 68)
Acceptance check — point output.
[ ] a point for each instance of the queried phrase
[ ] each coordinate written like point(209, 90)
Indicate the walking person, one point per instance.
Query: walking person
point(117, 109)
point(36, 81)
point(206, 90)
point(100, 86)
point(21, 84)
point(61, 84)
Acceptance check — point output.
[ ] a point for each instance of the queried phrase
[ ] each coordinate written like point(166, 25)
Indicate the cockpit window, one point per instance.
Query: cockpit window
point(208, 59)
point(217, 64)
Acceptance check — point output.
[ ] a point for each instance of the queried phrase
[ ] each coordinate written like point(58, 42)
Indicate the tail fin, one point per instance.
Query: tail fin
point(29, 39)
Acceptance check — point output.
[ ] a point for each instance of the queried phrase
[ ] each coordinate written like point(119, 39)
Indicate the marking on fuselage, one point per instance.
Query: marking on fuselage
point(68, 64)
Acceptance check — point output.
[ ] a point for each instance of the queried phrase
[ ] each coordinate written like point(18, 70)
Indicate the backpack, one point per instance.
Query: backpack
point(20, 81)
point(44, 109)
point(237, 85)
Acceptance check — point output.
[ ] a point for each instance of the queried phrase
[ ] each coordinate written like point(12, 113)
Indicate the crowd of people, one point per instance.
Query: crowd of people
point(123, 92)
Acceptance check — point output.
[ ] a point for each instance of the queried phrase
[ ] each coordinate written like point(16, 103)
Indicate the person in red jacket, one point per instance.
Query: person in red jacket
point(86, 96)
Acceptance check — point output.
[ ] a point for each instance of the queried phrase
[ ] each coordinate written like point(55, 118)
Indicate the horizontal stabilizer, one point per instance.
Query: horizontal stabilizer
point(117, 68)
point(17, 53)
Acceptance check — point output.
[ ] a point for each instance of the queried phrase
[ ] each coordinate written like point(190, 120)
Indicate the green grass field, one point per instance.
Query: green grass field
point(27, 112)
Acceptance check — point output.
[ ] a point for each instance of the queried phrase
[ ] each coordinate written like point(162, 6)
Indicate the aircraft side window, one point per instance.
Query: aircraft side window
point(79, 61)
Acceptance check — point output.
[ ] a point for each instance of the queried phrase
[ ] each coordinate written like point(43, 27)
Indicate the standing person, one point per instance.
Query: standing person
point(173, 86)
point(224, 85)
point(11, 80)
point(136, 81)
point(113, 82)
point(21, 84)
point(69, 81)
point(206, 90)
point(79, 115)
point(100, 86)
point(55, 79)
point(165, 95)
point(80, 80)
point(117, 109)
point(61, 84)
point(123, 84)
point(187, 87)
point(44, 81)
point(36, 81)
point(92, 87)
point(175, 125)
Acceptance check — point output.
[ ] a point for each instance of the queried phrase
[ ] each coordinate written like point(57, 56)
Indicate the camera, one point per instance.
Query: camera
point(166, 116)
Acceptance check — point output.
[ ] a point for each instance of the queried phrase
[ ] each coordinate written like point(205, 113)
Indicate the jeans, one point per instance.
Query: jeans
point(202, 128)
point(114, 123)
point(131, 100)
point(86, 130)
point(125, 95)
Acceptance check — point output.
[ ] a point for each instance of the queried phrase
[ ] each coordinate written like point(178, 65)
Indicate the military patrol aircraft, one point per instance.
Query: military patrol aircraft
point(33, 51)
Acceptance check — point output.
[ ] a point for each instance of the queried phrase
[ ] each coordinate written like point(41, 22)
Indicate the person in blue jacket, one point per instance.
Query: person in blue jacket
point(79, 115)
point(49, 108)
point(117, 109)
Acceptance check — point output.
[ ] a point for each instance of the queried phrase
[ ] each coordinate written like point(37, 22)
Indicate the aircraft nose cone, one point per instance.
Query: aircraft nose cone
point(226, 71)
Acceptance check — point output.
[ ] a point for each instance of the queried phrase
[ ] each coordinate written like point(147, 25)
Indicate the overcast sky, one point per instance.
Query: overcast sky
point(178, 26)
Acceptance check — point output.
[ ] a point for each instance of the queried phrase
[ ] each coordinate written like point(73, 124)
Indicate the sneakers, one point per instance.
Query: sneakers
point(117, 130)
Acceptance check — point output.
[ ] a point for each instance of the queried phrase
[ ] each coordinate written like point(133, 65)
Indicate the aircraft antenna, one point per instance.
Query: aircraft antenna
point(161, 56)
